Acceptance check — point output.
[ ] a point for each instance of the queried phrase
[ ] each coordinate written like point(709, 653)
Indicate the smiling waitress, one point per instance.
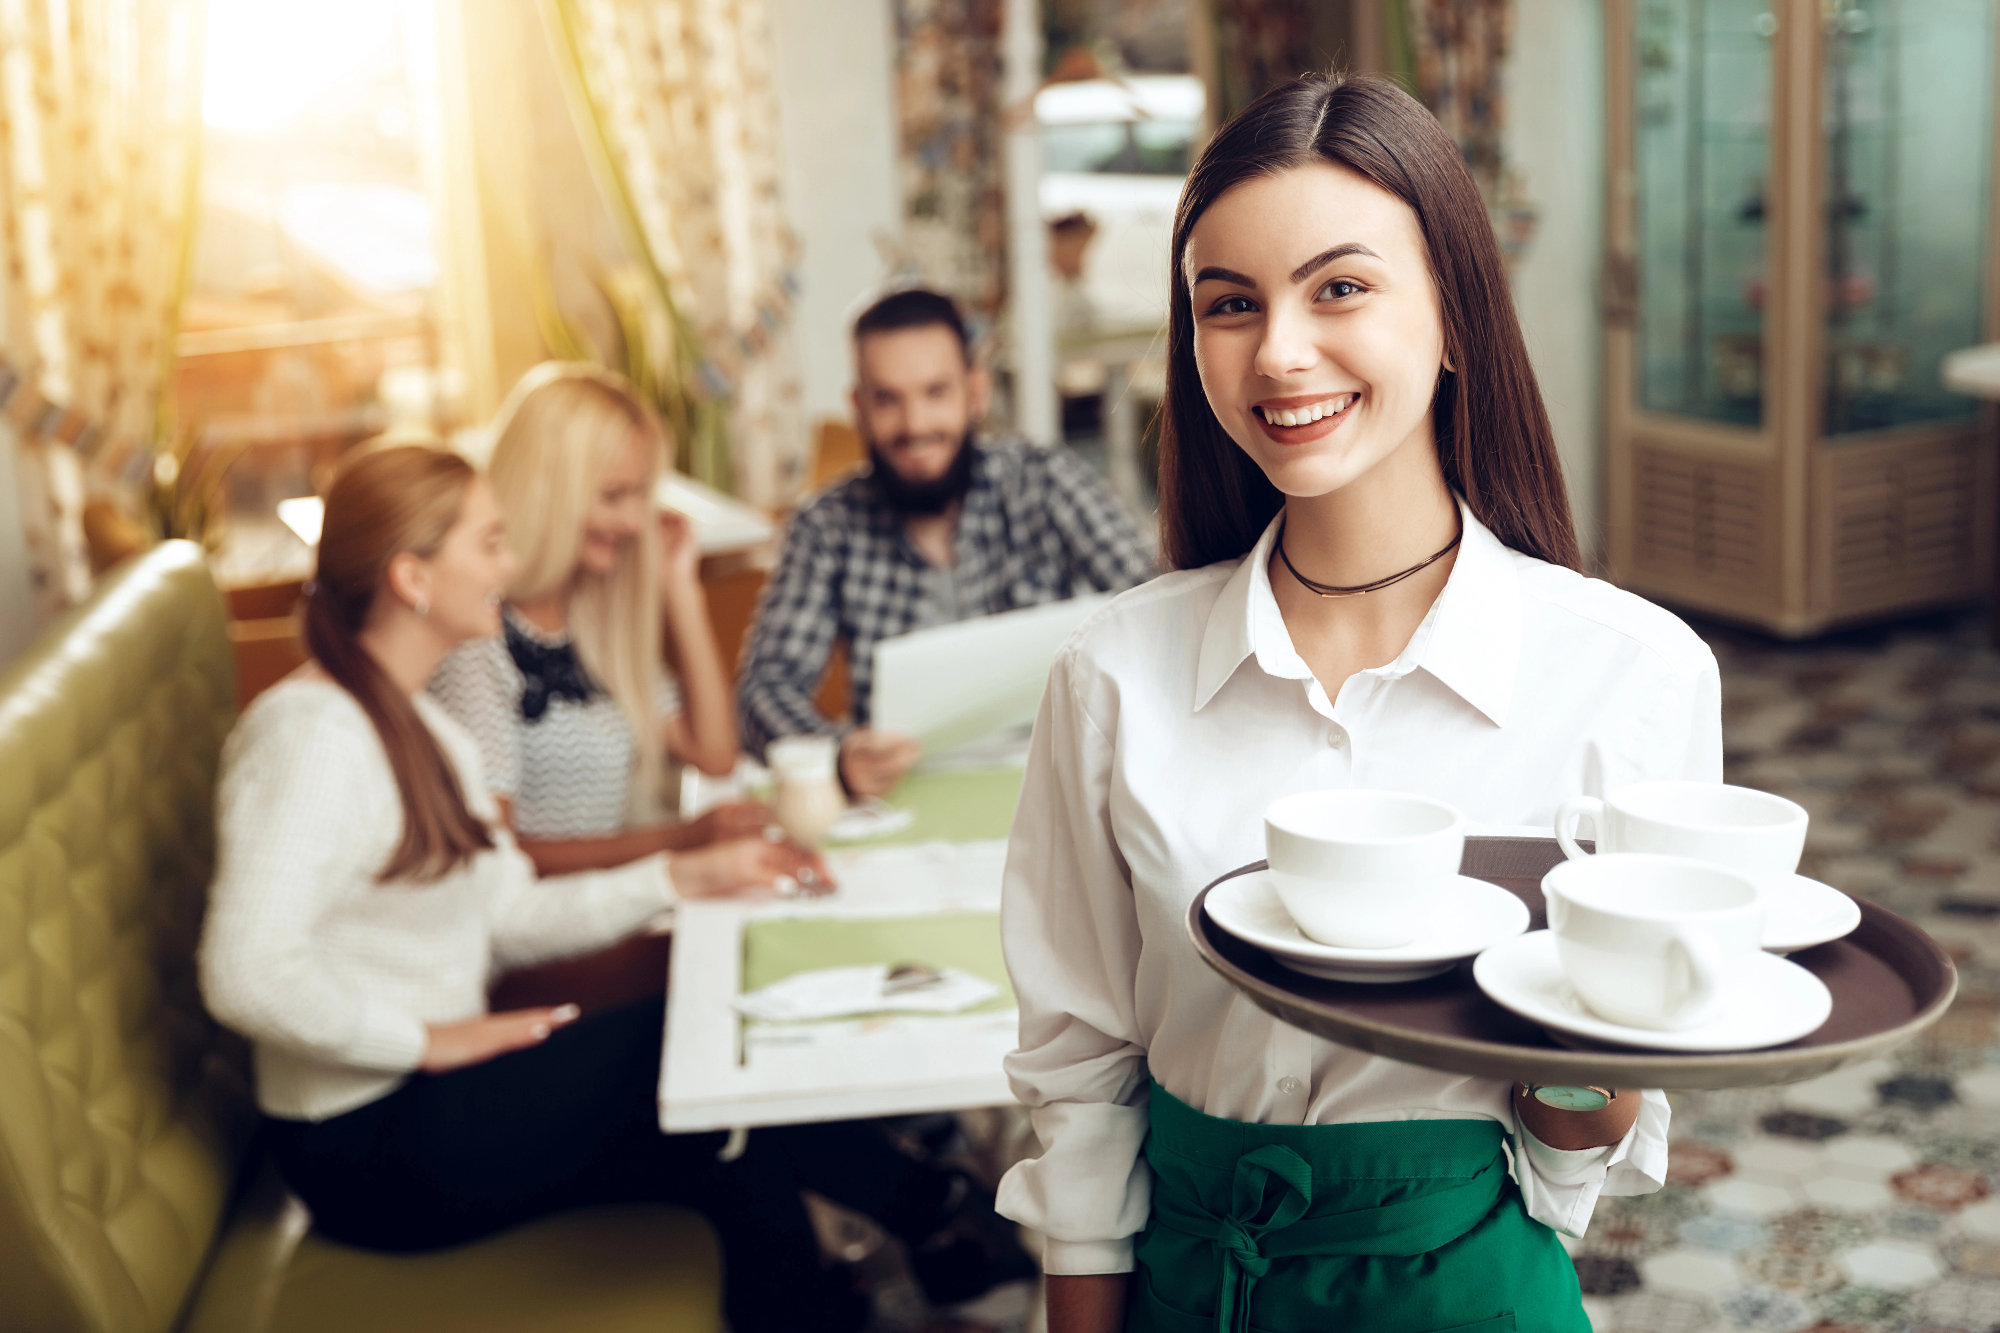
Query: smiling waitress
point(1377, 588)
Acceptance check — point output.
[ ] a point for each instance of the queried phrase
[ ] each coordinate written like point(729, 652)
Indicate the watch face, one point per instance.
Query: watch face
point(1572, 1099)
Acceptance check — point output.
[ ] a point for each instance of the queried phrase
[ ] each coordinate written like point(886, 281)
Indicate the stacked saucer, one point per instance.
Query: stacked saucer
point(1766, 1001)
point(1801, 912)
point(1471, 915)
point(1656, 952)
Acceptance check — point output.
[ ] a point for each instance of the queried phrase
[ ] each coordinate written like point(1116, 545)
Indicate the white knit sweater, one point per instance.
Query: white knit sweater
point(332, 975)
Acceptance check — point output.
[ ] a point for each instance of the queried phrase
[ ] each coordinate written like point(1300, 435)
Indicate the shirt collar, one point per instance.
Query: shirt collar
point(1470, 640)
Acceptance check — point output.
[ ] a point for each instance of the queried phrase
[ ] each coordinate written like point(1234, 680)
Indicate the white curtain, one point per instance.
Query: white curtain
point(100, 132)
point(680, 98)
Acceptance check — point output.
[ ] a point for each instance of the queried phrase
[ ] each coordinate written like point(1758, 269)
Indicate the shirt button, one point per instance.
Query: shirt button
point(1336, 738)
point(1290, 1086)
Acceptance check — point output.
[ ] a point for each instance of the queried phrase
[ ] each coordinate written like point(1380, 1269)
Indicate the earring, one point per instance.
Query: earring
point(423, 608)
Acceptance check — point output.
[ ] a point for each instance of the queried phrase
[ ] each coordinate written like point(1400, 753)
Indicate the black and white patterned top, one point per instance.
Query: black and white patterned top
point(552, 740)
point(1038, 526)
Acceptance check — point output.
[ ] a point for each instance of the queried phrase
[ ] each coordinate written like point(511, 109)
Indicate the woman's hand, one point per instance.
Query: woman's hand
point(747, 865)
point(1087, 1303)
point(1574, 1131)
point(736, 819)
point(680, 554)
point(474, 1041)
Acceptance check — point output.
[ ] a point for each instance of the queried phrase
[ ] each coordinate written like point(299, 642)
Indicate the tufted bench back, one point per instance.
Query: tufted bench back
point(124, 1111)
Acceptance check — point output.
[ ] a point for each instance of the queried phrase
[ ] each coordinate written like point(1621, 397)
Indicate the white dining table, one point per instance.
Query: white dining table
point(722, 1072)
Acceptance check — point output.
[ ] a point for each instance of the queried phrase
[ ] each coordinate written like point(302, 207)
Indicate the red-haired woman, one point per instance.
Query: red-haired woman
point(1377, 588)
point(365, 890)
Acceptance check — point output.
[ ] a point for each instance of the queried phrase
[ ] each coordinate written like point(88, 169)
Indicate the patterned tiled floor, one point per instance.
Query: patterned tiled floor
point(1868, 1200)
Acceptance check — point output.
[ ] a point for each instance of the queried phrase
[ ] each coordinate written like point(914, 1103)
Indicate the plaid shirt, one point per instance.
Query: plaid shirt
point(1038, 526)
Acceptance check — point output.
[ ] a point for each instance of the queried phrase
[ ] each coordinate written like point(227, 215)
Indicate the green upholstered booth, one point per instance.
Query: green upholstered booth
point(131, 1200)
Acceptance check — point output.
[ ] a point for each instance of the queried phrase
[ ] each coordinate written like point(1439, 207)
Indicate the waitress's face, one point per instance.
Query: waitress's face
point(1316, 324)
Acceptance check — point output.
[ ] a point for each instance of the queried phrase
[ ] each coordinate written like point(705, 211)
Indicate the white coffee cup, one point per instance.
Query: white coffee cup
point(1360, 869)
point(1748, 830)
point(1651, 941)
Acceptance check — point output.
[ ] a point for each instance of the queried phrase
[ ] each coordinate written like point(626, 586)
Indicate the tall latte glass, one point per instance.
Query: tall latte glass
point(808, 801)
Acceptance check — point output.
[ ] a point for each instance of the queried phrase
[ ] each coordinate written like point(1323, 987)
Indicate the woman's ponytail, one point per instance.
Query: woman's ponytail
point(386, 502)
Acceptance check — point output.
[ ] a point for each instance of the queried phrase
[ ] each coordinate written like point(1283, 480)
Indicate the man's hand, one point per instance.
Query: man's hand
point(748, 865)
point(476, 1040)
point(873, 762)
point(735, 819)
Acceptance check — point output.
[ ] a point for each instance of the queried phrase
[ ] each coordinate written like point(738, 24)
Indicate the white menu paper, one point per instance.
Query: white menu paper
point(963, 682)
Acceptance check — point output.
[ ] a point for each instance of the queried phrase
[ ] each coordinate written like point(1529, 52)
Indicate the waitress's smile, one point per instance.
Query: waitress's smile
point(1302, 420)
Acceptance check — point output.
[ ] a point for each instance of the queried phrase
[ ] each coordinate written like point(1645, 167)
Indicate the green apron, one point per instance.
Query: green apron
point(1409, 1226)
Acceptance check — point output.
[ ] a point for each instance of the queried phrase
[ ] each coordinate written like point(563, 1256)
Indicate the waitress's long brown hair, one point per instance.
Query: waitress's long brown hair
point(383, 503)
point(1493, 437)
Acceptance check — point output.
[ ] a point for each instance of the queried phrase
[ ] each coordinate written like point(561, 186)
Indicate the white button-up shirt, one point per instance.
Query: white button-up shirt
point(1172, 719)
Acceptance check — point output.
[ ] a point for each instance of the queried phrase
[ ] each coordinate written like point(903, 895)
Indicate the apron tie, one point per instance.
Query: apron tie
point(1252, 1213)
point(1270, 1194)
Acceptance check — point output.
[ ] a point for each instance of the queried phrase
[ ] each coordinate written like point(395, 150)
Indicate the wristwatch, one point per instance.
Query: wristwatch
point(1564, 1098)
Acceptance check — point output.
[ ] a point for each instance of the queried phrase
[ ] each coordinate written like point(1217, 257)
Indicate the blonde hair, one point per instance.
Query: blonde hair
point(556, 436)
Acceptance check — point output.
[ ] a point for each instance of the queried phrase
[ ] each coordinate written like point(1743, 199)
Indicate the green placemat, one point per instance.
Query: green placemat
point(956, 805)
point(969, 941)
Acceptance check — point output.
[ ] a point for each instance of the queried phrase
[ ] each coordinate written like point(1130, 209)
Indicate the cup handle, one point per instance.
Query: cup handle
point(1700, 962)
point(1571, 813)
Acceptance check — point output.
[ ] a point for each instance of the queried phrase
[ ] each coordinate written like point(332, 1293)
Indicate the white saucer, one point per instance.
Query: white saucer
point(1771, 1001)
point(1801, 912)
point(1470, 915)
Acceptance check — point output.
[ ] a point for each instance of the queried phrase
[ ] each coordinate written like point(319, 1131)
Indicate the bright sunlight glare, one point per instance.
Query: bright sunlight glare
point(268, 58)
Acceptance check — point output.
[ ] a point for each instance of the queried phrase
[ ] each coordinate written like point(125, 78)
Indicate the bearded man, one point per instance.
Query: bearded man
point(943, 525)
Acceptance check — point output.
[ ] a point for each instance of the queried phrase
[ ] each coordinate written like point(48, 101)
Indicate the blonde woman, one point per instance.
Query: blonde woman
point(576, 714)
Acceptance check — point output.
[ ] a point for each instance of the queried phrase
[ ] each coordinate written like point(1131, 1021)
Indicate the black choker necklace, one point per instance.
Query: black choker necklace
point(1335, 590)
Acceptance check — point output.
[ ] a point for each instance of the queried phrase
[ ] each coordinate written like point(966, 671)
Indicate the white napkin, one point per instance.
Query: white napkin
point(872, 818)
point(843, 992)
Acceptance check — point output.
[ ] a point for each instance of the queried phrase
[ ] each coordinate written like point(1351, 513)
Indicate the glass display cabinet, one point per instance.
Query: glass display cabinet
point(1799, 228)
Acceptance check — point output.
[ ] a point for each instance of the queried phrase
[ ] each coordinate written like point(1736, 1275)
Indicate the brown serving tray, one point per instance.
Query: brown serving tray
point(1889, 982)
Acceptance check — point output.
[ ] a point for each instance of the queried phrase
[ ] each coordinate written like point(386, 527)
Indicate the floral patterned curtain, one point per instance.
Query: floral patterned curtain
point(951, 156)
point(679, 99)
point(1260, 44)
point(100, 134)
point(1458, 47)
point(1450, 53)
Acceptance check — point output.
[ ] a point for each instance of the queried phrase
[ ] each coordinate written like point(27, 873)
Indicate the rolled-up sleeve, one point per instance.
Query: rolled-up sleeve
point(1072, 941)
point(1562, 1188)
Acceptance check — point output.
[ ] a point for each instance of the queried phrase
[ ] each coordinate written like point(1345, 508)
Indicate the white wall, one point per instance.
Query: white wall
point(1555, 138)
point(835, 84)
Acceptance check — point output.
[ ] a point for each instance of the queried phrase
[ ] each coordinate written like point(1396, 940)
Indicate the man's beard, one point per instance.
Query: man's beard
point(924, 498)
